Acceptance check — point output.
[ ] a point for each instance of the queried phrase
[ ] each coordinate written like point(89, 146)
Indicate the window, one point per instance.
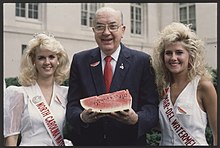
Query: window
point(33, 10)
point(187, 14)
point(27, 10)
point(136, 18)
point(23, 48)
point(20, 9)
point(88, 12)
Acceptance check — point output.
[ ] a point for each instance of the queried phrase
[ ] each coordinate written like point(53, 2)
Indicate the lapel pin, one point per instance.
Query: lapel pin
point(36, 99)
point(181, 110)
point(121, 66)
point(95, 64)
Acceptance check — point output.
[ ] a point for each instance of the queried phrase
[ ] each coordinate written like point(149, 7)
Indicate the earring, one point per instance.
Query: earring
point(58, 63)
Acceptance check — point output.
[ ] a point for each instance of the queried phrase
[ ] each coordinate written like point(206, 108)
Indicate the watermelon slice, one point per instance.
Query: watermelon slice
point(106, 103)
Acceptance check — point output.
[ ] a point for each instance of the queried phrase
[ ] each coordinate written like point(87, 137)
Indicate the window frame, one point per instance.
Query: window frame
point(23, 47)
point(89, 13)
point(134, 21)
point(27, 12)
point(190, 17)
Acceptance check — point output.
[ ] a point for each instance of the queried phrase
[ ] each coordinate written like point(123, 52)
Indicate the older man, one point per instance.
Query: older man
point(130, 70)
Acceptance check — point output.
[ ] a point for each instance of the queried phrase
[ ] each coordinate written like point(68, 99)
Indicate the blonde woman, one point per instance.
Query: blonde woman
point(36, 110)
point(188, 97)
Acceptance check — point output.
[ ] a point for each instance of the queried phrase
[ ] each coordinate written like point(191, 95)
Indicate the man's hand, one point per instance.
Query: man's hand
point(89, 116)
point(126, 116)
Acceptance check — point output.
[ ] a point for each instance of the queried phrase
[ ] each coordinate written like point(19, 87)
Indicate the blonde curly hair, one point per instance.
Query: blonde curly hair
point(178, 32)
point(28, 72)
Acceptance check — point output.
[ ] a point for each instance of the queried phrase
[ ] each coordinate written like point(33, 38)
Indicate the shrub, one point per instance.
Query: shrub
point(153, 138)
point(12, 81)
point(214, 77)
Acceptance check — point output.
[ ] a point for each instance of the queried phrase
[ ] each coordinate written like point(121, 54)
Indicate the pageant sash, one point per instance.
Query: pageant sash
point(48, 118)
point(185, 137)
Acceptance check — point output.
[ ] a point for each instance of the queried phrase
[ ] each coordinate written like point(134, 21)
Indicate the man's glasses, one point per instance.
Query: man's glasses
point(100, 28)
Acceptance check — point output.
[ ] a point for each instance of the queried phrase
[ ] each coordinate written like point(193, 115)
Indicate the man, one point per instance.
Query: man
point(131, 70)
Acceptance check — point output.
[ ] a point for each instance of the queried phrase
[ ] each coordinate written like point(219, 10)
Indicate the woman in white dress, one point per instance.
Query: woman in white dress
point(36, 110)
point(189, 99)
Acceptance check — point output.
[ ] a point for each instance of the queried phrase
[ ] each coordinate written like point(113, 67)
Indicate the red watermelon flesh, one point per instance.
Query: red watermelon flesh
point(111, 102)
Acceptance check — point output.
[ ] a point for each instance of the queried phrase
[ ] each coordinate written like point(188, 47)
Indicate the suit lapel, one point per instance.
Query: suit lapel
point(121, 69)
point(96, 71)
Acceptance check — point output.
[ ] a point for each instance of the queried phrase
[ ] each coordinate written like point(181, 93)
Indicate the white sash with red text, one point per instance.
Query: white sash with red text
point(47, 116)
point(185, 137)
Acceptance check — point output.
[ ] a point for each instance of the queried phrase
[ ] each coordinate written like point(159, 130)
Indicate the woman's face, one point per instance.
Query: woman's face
point(46, 63)
point(176, 58)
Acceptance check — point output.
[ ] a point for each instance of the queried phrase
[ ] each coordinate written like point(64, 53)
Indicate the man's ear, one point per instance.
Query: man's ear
point(93, 29)
point(123, 28)
point(123, 31)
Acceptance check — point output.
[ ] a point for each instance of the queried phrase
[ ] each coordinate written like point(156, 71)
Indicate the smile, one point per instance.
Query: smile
point(47, 68)
point(106, 39)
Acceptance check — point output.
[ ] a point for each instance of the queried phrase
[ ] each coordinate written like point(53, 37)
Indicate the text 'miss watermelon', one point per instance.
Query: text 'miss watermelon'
point(106, 103)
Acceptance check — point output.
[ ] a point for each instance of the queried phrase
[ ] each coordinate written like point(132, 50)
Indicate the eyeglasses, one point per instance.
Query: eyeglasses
point(101, 27)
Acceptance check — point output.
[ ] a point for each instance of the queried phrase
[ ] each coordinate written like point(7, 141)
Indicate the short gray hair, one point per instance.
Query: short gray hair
point(108, 9)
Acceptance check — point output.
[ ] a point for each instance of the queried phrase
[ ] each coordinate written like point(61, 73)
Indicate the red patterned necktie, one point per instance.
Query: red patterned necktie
point(108, 73)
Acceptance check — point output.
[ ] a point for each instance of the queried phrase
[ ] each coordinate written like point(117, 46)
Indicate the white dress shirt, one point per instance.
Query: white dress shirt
point(114, 60)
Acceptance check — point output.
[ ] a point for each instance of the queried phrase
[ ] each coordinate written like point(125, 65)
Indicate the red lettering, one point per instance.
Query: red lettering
point(45, 113)
point(171, 116)
point(176, 127)
point(49, 118)
point(43, 109)
point(55, 132)
point(184, 136)
point(169, 113)
point(175, 124)
point(40, 106)
point(166, 103)
point(59, 140)
point(179, 129)
point(51, 123)
point(190, 141)
point(193, 142)
point(169, 110)
point(182, 132)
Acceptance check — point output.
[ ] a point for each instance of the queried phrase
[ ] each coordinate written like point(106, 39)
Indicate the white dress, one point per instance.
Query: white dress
point(21, 116)
point(188, 112)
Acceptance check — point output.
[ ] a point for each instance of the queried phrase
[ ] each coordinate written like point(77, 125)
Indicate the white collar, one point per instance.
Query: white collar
point(114, 55)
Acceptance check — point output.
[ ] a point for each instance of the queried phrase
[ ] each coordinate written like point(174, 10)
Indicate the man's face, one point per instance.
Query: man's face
point(108, 31)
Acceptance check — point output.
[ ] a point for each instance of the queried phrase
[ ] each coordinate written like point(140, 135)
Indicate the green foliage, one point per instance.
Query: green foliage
point(208, 134)
point(66, 82)
point(214, 77)
point(12, 81)
point(153, 138)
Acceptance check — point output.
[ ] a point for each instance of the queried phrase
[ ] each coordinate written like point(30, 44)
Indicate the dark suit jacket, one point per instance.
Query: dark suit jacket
point(86, 80)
